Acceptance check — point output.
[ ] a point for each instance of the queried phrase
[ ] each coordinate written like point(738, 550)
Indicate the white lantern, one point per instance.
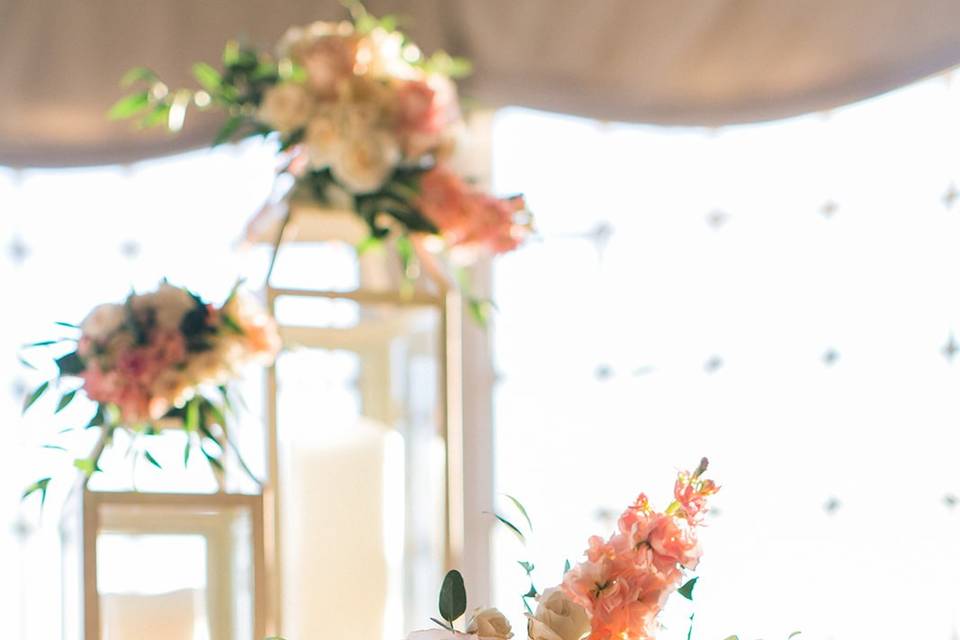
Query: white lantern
point(365, 430)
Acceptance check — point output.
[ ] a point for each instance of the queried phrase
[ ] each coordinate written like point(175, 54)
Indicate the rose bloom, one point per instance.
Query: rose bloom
point(326, 50)
point(285, 107)
point(366, 161)
point(557, 618)
point(490, 624)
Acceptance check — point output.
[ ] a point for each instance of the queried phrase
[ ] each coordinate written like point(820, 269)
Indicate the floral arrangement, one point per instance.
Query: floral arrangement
point(616, 592)
point(161, 358)
point(365, 122)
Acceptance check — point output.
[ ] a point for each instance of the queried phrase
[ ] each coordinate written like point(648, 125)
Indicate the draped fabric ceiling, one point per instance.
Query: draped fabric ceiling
point(682, 62)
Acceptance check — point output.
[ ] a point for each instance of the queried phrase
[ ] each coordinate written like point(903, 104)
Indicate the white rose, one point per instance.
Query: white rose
point(440, 634)
point(364, 162)
point(490, 624)
point(102, 321)
point(285, 107)
point(557, 618)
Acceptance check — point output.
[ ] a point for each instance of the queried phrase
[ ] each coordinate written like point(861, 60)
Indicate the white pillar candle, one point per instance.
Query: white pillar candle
point(343, 521)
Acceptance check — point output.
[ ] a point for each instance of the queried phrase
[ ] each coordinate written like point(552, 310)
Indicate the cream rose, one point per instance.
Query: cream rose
point(490, 624)
point(169, 304)
point(364, 162)
point(103, 321)
point(557, 618)
point(285, 107)
point(323, 138)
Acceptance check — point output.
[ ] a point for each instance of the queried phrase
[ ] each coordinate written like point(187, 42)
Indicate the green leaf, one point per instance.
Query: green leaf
point(528, 567)
point(793, 635)
point(445, 625)
point(511, 526)
point(71, 364)
point(98, 418)
point(24, 362)
point(86, 465)
point(68, 325)
point(690, 628)
point(367, 244)
point(231, 53)
point(157, 117)
point(208, 77)
point(41, 486)
point(191, 421)
point(228, 129)
point(151, 459)
point(532, 593)
point(129, 106)
point(186, 452)
point(480, 311)
point(33, 397)
point(521, 509)
point(55, 447)
point(42, 343)
point(566, 566)
point(65, 400)
point(137, 74)
point(687, 589)
point(453, 597)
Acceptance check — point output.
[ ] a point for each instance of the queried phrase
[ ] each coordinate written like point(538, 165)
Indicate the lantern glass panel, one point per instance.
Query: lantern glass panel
point(190, 577)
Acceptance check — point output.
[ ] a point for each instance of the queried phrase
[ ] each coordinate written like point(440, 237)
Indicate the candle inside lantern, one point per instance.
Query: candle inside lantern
point(343, 523)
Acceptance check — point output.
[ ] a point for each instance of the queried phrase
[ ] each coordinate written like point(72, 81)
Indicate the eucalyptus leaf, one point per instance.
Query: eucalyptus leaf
point(445, 625)
point(33, 397)
point(453, 597)
point(687, 589)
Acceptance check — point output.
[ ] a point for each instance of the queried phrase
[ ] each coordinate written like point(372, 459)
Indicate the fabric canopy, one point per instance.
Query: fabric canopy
point(682, 62)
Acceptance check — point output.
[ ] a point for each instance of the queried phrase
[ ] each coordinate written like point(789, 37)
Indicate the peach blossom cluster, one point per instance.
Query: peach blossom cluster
point(624, 581)
point(152, 352)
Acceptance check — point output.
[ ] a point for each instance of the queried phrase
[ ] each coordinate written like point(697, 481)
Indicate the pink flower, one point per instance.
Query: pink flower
point(468, 218)
point(426, 110)
point(691, 493)
point(674, 539)
point(328, 61)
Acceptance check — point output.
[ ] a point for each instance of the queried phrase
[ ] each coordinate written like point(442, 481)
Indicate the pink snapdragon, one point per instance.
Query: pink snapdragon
point(625, 581)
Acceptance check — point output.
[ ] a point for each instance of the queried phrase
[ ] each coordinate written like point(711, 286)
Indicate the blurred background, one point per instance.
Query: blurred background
point(766, 278)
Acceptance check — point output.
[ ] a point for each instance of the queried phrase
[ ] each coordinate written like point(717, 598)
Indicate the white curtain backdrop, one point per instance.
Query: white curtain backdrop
point(780, 298)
